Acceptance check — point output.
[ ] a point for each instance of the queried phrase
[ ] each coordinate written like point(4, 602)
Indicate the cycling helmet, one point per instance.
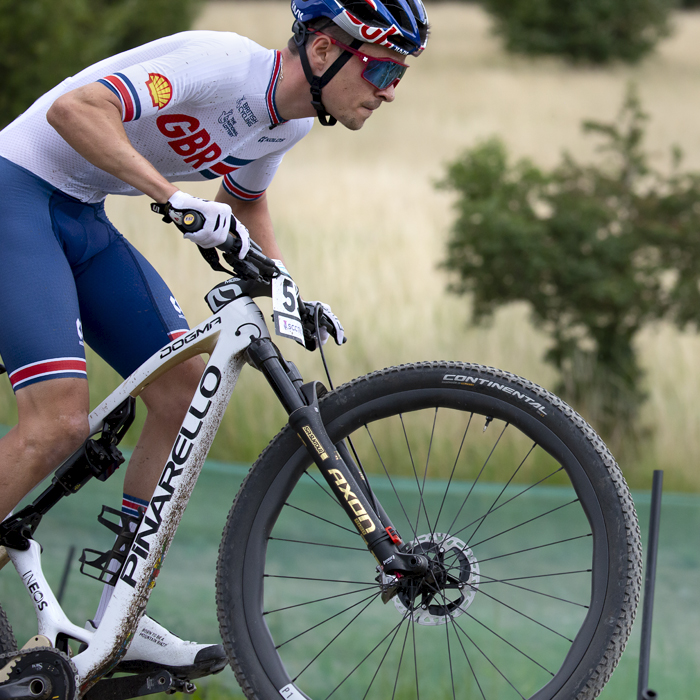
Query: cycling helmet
point(401, 25)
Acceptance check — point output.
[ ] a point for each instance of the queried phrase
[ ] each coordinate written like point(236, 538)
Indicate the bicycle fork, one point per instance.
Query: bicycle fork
point(335, 462)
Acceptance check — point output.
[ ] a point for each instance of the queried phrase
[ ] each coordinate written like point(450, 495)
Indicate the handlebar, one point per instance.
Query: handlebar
point(255, 266)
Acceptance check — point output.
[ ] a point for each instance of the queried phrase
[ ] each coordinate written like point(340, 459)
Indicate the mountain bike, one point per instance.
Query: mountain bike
point(435, 530)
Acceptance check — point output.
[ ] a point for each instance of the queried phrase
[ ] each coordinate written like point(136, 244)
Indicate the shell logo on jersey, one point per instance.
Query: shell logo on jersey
point(160, 89)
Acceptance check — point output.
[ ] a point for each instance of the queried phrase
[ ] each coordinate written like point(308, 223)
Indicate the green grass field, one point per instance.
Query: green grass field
point(184, 597)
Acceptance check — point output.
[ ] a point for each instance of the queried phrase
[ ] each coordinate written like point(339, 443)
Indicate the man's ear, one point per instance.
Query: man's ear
point(321, 53)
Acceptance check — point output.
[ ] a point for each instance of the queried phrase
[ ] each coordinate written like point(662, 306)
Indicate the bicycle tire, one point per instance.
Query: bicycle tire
point(548, 590)
point(7, 638)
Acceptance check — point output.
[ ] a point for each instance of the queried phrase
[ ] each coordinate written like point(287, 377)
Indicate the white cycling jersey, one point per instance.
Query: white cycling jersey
point(197, 105)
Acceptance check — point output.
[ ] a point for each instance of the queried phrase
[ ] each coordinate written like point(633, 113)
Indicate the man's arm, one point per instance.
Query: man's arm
point(89, 119)
point(256, 217)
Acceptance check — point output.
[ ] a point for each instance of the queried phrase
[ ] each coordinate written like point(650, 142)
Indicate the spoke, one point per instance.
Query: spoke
point(539, 546)
point(493, 505)
point(466, 656)
point(317, 544)
point(478, 476)
point(398, 670)
point(369, 598)
point(391, 482)
point(325, 580)
point(415, 656)
point(498, 670)
point(526, 522)
point(421, 489)
point(325, 520)
point(522, 614)
point(452, 617)
point(520, 651)
point(449, 660)
point(454, 468)
point(321, 486)
point(507, 582)
point(523, 578)
point(317, 600)
point(510, 500)
point(395, 631)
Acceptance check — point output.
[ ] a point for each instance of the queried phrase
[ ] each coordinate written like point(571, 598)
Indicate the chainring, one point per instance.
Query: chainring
point(54, 669)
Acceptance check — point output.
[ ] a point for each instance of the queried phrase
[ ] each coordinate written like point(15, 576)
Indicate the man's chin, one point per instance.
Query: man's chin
point(354, 122)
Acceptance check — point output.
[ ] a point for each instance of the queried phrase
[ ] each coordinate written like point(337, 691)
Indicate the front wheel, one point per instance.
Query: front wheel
point(524, 515)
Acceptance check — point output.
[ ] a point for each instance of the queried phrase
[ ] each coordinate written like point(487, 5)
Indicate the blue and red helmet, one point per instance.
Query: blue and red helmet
point(401, 25)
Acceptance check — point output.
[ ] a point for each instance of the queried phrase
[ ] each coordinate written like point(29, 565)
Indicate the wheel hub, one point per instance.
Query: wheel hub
point(449, 586)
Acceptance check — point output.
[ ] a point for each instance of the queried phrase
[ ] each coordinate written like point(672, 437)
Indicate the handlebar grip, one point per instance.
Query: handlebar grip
point(188, 221)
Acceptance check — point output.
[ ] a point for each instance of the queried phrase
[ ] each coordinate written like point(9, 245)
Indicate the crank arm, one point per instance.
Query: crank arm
point(36, 687)
point(137, 686)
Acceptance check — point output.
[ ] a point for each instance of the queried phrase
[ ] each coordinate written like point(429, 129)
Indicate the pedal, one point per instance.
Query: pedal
point(136, 686)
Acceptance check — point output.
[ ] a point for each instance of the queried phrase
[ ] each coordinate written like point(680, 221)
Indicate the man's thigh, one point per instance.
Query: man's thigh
point(127, 309)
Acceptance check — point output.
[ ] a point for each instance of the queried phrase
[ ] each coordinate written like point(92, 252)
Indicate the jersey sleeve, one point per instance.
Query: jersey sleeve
point(250, 181)
point(189, 73)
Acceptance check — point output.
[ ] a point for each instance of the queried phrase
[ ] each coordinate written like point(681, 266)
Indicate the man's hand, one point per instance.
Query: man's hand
point(329, 325)
point(217, 221)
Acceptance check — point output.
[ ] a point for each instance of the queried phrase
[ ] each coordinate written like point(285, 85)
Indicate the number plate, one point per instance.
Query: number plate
point(285, 308)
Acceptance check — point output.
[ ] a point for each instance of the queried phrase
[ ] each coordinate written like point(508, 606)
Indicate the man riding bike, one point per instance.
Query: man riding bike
point(193, 106)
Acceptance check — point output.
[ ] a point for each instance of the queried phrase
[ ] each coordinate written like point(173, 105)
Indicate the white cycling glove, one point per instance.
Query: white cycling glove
point(217, 221)
point(338, 333)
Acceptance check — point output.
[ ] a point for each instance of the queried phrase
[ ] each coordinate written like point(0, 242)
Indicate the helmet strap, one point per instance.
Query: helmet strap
point(318, 82)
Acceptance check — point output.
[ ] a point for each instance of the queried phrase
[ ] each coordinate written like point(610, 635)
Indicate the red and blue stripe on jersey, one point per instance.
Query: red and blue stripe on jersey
point(224, 167)
point(239, 192)
point(124, 89)
point(272, 90)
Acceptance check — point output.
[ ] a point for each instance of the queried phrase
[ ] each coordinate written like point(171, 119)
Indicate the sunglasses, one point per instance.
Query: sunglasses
point(380, 72)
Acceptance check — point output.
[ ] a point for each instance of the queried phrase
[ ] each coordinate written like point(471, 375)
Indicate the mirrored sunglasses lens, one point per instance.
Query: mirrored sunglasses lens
point(382, 74)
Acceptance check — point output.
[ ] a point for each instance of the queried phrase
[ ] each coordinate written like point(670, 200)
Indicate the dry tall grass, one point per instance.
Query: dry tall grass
point(363, 227)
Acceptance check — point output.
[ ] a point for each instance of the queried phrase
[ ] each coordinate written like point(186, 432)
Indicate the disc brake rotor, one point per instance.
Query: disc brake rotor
point(448, 587)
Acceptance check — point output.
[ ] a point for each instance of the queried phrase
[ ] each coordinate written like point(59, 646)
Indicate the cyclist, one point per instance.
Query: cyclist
point(193, 106)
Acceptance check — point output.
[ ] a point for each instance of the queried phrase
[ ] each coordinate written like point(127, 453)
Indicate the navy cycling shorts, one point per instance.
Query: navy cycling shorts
point(68, 277)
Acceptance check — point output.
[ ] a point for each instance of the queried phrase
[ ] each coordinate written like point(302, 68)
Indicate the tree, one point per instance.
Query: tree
point(598, 251)
point(595, 31)
point(45, 41)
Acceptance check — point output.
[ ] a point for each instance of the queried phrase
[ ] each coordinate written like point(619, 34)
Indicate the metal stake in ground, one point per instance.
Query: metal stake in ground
point(643, 691)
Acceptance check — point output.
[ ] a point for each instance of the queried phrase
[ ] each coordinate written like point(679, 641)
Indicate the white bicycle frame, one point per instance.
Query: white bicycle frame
point(225, 337)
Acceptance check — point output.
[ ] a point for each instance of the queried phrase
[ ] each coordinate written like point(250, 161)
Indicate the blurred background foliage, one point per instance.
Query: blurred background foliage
point(45, 41)
point(595, 31)
point(598, 251)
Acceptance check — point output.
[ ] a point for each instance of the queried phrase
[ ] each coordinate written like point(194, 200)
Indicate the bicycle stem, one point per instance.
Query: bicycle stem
point(340, 472)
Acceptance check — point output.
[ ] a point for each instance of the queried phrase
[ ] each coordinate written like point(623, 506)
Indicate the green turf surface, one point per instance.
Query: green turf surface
point(184, 599)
